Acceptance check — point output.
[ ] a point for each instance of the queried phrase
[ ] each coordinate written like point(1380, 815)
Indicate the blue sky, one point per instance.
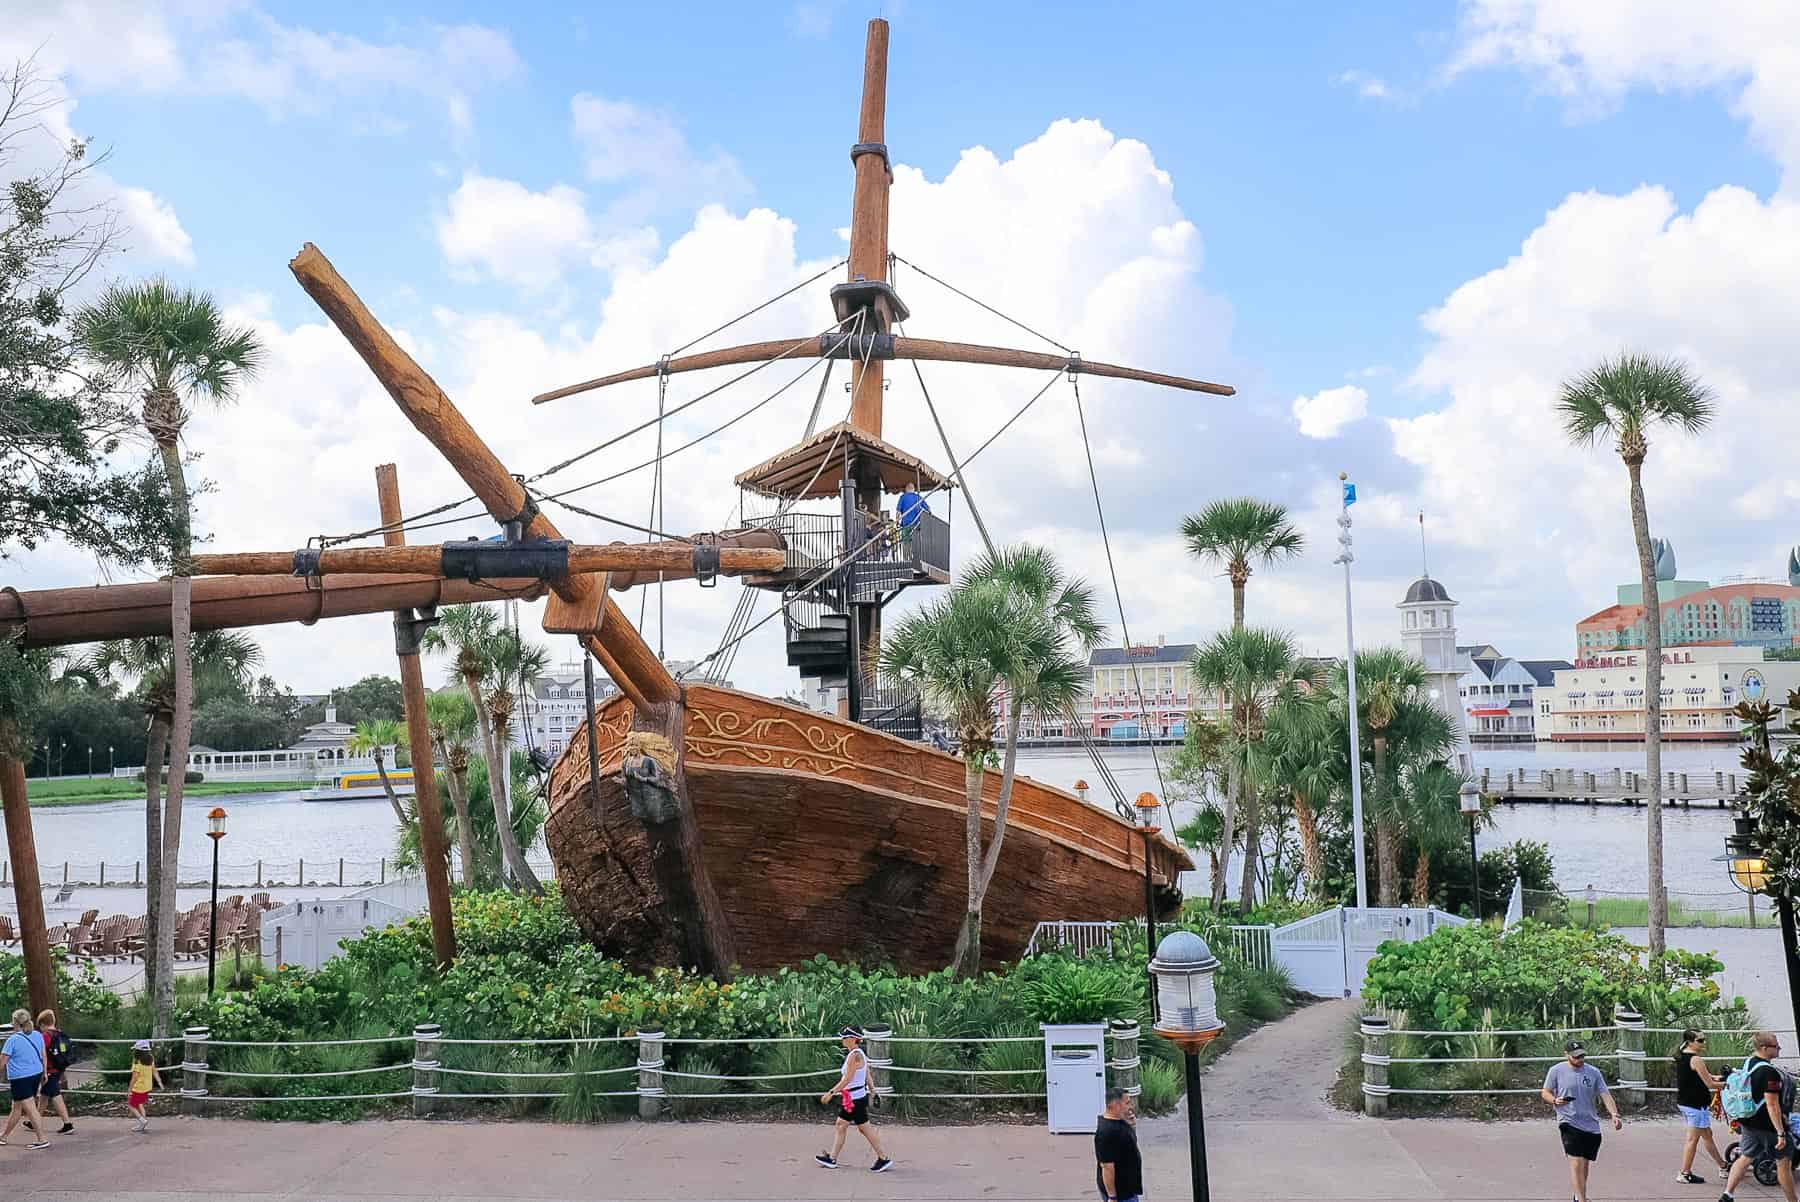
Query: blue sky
point(1346, 171)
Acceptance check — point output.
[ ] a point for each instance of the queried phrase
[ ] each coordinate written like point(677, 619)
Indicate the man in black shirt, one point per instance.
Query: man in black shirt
point(1765, 1133)
point(1121, 1172)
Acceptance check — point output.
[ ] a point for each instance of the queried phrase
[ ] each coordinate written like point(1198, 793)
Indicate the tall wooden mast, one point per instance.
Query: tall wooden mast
point(869, 218)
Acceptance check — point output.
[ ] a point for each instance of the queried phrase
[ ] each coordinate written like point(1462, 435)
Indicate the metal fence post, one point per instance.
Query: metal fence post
point(193, 1069)
point(881, 1060)
point(259, 874)
point(1632, 1079)
point(650, 1077)
point(1125, 1061)
point(1590, 906)
point(340, 872)
point(1375, 1065)
point(103, 874)
point(425, 1067)
point(300, 878)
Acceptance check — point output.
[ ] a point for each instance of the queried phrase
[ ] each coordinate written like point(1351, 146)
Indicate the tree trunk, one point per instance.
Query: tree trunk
point(34, 940)
point(181, 654)
point(1252, 850)
point(387, 786)
point(498, 768)
point(1227, 830)
point(456, 784)
point(1421, 882)
point(1312, 856)
point(1387, 839)
point(1640, 526)
point(509, 838)
point(991, 858)
point(155, 748)
point(966, 961)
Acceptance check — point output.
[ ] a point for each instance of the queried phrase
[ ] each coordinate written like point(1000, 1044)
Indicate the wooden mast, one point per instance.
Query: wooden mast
point(869, 214)
point(409, 626)
point(699, 921)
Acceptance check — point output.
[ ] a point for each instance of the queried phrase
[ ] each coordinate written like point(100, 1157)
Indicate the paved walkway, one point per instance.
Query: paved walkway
point(1352, 1159)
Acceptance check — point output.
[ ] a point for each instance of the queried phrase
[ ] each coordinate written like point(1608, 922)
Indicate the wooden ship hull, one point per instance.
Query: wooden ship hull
point(824, 835)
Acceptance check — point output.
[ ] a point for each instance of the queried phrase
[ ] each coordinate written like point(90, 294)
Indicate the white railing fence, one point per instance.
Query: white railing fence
point(1250, 942)
point(320, 872)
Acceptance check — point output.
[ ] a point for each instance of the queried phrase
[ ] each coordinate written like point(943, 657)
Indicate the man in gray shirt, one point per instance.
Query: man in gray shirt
point(1575, 1088)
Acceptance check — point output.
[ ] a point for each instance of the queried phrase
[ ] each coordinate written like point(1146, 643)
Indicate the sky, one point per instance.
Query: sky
point(1394, 229)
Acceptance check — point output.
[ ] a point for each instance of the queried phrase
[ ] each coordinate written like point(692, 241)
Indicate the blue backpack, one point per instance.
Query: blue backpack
point(1735, 1099)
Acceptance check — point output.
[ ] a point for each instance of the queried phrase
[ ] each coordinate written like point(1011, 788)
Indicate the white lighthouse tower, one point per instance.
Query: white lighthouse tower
point(1428, 633)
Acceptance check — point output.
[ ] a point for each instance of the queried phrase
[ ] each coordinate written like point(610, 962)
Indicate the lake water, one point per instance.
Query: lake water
point(1598, 845)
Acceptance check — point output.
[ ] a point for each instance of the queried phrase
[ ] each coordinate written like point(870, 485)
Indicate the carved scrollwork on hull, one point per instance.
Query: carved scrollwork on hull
point(768, 740)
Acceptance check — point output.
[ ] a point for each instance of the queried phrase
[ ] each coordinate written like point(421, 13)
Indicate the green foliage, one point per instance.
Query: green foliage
point(1536, 975)
point(1773, 785)
point(373, 698)
point(1162, 1085)
point(81, 996)
point(1061, 989)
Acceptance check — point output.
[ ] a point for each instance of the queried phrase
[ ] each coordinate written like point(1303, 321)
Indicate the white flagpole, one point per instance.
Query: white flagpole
point(1356, 807)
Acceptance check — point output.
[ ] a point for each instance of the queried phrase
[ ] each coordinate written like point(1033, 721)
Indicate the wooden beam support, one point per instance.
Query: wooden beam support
point(582, 617)
point(630, 661)
point(928, 350)
point(674, 560)
point(21, 845)
point(434, 853)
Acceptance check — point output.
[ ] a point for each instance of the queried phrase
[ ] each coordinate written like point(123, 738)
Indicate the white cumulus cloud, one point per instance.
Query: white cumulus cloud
point(1325, 413)
point(502, 228)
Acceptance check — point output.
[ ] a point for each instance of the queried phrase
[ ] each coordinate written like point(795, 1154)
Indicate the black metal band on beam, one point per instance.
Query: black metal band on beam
point(876, 148)
point(540, 559)
point(306, 561)
point(706, 563)
point(856, 346)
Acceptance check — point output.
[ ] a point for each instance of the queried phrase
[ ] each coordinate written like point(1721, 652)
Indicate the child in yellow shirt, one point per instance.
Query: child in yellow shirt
point(143, 1077)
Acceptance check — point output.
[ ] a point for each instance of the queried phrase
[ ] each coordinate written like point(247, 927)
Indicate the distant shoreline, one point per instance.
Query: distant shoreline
point(101, 790)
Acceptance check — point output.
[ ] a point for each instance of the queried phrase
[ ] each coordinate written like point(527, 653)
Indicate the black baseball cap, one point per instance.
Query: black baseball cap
point(848, 1032)
point(1573, 1046)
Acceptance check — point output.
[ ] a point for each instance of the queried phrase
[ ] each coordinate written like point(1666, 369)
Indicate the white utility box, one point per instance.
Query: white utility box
point(1075, 1073)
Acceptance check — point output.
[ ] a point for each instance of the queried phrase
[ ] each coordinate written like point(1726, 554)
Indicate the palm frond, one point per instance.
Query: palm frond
point(1237, 530)
point(1623, 397)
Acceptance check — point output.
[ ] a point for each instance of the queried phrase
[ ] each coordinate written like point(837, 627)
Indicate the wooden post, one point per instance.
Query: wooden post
point(425, 1067)
point(879, 1051)
point(1375, 1065)
point(433, 852)
point(300, 877)
point(1632, 1080)
point(259, 874)
point(693, 907)
point(341, 866)
point(193, 1069)
point(869, 216)
point(1125, 1062)
point(650, 1078)
point(34, 940)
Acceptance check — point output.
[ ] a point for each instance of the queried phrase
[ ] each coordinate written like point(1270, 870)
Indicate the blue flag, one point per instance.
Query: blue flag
point(1349, 494)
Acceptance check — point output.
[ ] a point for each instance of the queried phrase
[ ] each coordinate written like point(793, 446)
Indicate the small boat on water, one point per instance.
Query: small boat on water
point(361, 786)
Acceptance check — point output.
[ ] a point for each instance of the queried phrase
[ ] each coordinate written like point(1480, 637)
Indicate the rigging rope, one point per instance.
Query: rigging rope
point(983, 304)
point(759, 308)
point(572, 507)
point(1106, 541)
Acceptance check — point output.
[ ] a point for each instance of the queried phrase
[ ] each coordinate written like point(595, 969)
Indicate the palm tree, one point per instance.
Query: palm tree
point(452, 722)
point(1427, 794)
point(1621, 400)
point(372, 738)
point(1305, 759)
point(467, 633)
point(1255, 670)
point(1015, 621)
point(1234, 532)
point(1387, 679)
point(510, 659)
point(222, 661)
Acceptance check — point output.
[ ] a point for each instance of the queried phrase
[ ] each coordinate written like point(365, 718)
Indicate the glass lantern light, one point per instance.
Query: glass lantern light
point(1081, 789)
point(1186, 1001)
point(215, 823)
point(1147, 805)
point(1468, 799)
point(1749, 870)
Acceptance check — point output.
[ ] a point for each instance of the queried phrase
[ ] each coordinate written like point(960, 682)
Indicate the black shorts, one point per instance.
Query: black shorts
point(1756, 1143)
point(25, 1088)
point(52, 1086)
point(856, 1113)
point(1576, 1142)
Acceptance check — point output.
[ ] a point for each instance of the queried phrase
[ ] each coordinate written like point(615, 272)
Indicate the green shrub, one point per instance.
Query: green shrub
point(1161, 1082)
point(81, 996)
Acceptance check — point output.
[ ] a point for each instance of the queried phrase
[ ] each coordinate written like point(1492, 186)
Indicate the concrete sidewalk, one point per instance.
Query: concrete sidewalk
point(1347, 1158)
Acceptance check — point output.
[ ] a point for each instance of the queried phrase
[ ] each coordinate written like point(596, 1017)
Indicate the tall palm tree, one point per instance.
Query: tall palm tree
point(372, 738)
point(1255, 670)
point(222, 661)
point(1305, 759)
point(452, 723)
point(467, 633)
point(1236, 532)
point(1015, 622)
point(511, 661)
point(1621, 401)
point(1428, 795)
point(1387, 679)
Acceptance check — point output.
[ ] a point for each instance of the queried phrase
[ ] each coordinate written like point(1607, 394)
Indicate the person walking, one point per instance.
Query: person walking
point(56, 1063)
point(1765, 1134)
point(1694, 1089)
point(23, 1059)
point(144, 1077)
point(852, 1090)
point(1120, 1171)
point(1576, 1088)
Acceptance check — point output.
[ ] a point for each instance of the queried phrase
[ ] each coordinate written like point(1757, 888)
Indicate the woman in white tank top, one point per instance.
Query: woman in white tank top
point(852, 1090)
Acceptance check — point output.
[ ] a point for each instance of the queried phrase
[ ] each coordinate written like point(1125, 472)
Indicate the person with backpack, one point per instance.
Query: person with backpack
point(852, 1090)
point(57, 1058)
point(1694, 1089)
point(1576, 1088)
point(1760, 1096)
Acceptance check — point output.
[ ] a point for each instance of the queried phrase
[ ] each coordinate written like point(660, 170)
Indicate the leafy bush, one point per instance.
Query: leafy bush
point(1161, 1083)
point(1535, 975)
point(79, 997)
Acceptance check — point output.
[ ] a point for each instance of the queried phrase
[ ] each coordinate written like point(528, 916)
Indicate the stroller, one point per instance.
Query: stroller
point(1764, 1169)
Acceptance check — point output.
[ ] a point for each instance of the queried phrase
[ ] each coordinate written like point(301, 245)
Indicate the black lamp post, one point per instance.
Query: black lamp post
point(1146, 808)
point(1750, 873)
point(215, 830)
point(90, 761)
point(1469, 801)
point(111, 764)
point(1187, 1010)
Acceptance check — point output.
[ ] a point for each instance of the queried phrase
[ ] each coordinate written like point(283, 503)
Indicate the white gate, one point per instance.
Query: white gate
point(1328, 954)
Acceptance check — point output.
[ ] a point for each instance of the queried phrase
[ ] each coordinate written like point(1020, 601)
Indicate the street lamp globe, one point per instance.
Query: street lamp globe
point(215, 823)
point(1468, 799)
point(1186, 1000)
point(1147, 805)
point(1749, 870)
